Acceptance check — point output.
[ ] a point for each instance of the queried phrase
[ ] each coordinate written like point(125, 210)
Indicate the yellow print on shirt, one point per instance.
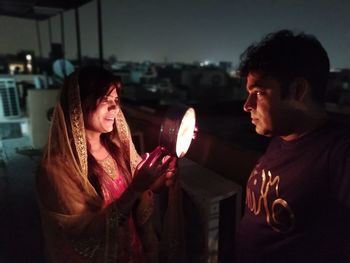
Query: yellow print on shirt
point(273, 210)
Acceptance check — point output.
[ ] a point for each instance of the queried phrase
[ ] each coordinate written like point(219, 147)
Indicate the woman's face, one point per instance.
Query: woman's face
point(103, 118)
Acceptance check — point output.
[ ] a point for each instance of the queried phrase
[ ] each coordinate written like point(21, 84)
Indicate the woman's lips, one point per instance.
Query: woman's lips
point(109, 119)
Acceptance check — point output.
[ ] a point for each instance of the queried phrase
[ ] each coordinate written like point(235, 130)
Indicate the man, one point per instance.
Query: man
point(298, 194)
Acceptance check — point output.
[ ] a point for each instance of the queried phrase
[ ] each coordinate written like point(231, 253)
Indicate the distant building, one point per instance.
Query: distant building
point(225, 65)
point(338, 89)
point(207, 84)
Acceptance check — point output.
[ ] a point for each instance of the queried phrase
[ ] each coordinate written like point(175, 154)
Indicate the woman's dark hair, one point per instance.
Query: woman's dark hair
point(285, 56)
point(94, 83)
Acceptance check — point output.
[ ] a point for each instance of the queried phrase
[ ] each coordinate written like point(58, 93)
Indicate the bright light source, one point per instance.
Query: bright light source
point(177, 130)
point(29, 68)
point(185, 133)
point(205, 63)
point(29, 57)
point(176, 134)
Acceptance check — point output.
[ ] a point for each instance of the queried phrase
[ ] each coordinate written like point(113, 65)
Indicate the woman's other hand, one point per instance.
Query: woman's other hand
point(153, 173)
point(144, 175)
point(169, 169)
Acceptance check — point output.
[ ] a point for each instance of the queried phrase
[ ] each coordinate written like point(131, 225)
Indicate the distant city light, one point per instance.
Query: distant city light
point(16, 68)
point(205, 63)
point(29, 68)
point(233, 73)
point(29, 65)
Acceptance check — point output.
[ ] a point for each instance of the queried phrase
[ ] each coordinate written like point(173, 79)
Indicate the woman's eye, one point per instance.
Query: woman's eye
point(109, 100)
point(259, 93)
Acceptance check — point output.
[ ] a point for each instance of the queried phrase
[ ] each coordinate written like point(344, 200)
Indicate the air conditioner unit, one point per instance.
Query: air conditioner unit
point(40, 105)
point(212, 209)
point(9, 103)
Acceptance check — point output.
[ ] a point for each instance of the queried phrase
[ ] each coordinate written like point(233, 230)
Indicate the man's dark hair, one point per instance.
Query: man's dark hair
point(284, 56)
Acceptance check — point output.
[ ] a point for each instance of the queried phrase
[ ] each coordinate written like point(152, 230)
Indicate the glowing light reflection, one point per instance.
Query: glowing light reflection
point(185, 133)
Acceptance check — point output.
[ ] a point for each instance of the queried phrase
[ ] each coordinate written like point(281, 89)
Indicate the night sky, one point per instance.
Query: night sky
point(187, 30)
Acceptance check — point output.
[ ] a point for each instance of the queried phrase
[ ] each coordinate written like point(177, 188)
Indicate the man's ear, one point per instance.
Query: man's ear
point(299, 89)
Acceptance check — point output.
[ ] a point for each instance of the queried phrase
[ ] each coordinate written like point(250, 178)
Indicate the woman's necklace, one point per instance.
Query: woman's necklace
point(109, 166)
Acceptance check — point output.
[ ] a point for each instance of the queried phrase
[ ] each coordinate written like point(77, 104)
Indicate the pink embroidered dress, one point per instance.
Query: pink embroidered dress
point(113, 184)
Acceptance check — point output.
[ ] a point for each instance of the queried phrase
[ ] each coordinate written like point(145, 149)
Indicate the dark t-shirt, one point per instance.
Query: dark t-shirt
point(298, 201)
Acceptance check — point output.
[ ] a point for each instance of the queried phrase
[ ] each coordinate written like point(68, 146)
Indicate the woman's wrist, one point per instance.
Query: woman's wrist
point(126, 202)
point(133, 190)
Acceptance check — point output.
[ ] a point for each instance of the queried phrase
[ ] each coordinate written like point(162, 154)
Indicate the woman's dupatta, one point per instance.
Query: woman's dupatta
point(76, 226)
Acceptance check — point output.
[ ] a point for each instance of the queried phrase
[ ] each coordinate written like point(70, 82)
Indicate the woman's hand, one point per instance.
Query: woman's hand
point(153, 172)
point(144, 175)
point(168, 174)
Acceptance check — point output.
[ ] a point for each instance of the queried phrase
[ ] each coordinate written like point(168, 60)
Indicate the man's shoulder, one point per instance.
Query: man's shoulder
point(337, 139)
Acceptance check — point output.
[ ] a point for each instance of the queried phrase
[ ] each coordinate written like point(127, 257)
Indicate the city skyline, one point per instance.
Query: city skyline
point(185, 31)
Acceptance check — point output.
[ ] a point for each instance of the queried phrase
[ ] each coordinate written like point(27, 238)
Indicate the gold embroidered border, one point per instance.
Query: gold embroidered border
point(77, 124)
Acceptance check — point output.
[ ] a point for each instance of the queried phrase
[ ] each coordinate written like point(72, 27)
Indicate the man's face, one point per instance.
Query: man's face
point(271, 115)
point(103, 118)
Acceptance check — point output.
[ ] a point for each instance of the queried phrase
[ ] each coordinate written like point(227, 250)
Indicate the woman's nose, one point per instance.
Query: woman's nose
point(112, 106)
point(250, 103)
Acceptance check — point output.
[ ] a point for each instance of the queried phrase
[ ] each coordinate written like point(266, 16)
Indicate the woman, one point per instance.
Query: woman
point(94, 200)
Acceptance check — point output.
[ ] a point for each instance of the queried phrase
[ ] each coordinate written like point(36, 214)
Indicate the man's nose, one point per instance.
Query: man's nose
point(250, 103)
